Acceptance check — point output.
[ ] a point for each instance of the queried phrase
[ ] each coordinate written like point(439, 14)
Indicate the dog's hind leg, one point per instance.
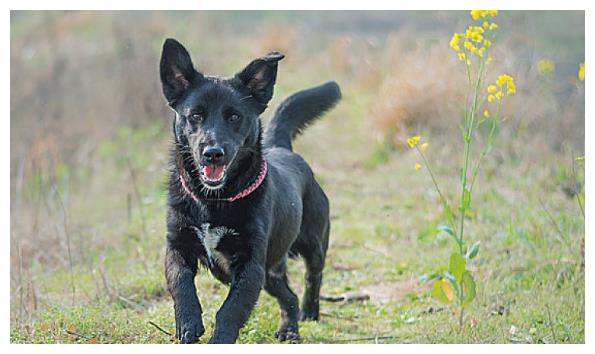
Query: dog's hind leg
point(312, 244)
point(314, 259)
point(277, 285)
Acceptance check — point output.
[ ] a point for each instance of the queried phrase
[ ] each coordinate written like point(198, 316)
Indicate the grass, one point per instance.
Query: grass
point(384, 237)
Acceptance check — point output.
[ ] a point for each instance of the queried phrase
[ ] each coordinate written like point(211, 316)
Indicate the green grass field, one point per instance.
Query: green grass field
point(87, 245)
point(384, 243)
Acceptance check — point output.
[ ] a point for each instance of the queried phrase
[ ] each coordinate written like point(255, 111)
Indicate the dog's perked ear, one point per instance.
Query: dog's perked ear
point(177, 71)
point(259, 77)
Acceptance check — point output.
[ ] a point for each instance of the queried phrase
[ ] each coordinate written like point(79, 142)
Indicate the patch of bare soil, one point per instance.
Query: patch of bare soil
point(381, 292)
point(393, 291)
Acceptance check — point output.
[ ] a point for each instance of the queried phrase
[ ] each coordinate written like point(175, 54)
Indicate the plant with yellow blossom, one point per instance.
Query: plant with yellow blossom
point(546, 67)
point(473, 48)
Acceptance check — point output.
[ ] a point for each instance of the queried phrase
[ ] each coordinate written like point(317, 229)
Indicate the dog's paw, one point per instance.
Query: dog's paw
point(288, 333)
point(218, 338)
point(189, 331)
point(309, 315)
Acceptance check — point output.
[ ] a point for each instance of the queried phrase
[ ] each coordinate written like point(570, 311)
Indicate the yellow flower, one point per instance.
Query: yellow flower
point(493, 26)
point(413, 141)
point(462, 56)
point(486, 24)
point(510, 85)
point(417, 167)
point(581, 71)
point(486, 114)
point(497, 92)
point(487, 43)
point(545, 67)
point(511, 88)
point(424, 146)
point(476, 14)
point(489, 60)
point(454, 42)
point(468, 62)
point(481, 51)
point(474, 33)
point(502, 79)
point(479, 14)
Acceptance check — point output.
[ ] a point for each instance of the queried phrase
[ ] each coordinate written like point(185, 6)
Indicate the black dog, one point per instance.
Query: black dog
point(239, 201)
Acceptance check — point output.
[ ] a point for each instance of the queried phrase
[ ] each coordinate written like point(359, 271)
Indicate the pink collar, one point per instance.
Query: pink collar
point(244, 193)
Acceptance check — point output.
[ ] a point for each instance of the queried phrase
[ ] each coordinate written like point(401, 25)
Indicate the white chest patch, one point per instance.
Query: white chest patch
point(210, 237)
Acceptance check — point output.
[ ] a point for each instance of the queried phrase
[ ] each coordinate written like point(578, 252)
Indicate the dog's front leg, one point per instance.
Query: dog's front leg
point(180, 270)
point(246, 282)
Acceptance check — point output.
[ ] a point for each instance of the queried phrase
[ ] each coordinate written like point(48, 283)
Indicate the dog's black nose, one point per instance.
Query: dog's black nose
point(213, 154)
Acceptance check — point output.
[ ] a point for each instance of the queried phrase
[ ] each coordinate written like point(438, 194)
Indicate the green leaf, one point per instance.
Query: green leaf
point(468, 286)
point(448, 211)
point(453, 282)
point(447, 229)
point(442, 291)
point(457, 266)
point(474, 250)
point(466, 199)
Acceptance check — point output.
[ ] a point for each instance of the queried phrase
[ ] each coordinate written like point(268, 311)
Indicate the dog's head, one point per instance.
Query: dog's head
point(216, 118)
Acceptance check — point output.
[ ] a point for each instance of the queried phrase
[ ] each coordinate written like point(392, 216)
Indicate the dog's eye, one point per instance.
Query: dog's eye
point(234, 117)
point(197, 117)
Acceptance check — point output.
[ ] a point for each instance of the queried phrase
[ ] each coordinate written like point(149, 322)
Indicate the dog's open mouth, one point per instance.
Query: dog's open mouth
point(213, 175)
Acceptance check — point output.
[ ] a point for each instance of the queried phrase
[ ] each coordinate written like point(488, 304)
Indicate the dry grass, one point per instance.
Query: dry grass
point(421, 87)
point(418, 94)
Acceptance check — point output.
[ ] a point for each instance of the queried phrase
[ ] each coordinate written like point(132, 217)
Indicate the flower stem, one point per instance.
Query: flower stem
point(444, 202)
point(467, 141)
point(486, 149)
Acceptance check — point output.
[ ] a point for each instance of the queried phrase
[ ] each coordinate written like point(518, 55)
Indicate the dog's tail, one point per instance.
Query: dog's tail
point(298, 111)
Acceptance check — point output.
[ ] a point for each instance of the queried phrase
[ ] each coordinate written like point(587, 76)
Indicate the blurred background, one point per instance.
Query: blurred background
point(90, 129)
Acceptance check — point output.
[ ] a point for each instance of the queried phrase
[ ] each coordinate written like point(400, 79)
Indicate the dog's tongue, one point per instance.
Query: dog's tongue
point(214, 173)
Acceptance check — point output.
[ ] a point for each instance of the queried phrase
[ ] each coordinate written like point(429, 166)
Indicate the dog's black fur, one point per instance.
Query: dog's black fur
point(244, 243)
